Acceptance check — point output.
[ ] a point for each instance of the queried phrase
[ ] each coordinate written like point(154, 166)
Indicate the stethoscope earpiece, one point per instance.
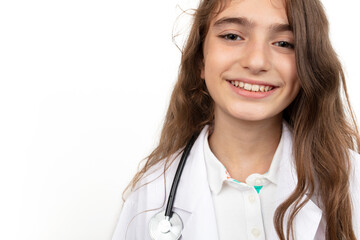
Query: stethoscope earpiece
point(162, 227)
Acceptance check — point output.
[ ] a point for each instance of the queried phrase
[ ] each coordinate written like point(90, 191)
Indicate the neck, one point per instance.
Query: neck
point(245, 147)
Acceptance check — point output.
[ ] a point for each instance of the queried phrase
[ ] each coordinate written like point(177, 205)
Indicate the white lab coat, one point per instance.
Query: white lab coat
point(193, 201)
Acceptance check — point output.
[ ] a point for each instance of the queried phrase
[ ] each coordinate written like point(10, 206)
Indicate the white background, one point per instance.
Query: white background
point(84, 87)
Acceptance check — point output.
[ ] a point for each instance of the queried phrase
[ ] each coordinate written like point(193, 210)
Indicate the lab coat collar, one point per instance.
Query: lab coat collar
point(217, 173)
point(194, 195)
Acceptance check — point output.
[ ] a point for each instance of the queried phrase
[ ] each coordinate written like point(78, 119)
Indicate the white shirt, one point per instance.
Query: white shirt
point(243, 210)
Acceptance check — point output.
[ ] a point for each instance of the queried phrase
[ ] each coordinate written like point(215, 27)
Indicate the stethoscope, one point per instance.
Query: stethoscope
point(167, 225)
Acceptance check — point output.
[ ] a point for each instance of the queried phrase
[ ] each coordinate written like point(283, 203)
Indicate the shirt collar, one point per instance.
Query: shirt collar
point(217, 173)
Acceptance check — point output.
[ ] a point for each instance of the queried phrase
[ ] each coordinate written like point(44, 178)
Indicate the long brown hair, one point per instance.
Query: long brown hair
point(323, 124)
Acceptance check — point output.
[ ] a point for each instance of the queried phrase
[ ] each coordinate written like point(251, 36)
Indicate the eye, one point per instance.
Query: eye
point(231, 37)
point(285, 44)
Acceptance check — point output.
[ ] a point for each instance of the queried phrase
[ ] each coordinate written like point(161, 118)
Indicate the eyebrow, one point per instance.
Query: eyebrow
point(276, 27)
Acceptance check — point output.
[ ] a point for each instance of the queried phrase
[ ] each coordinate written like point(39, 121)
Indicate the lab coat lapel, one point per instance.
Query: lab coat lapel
point(194, 196)
point(308, 219)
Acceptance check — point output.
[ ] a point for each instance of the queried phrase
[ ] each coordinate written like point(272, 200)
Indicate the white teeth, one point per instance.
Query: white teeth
point(251, 87)
point(255, 88)
point(247, 86)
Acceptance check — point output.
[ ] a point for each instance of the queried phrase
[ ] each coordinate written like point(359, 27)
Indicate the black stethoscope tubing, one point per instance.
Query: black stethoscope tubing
point(167, 224)
point(171, 199)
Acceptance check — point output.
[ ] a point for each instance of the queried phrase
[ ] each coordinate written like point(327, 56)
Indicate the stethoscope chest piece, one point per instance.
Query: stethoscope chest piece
point(165, 228)
point(167, 225)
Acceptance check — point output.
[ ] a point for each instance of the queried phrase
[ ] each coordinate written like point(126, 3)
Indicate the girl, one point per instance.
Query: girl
point(276, 150)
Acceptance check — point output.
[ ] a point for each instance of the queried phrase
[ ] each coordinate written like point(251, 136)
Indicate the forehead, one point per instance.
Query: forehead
point(258, 12)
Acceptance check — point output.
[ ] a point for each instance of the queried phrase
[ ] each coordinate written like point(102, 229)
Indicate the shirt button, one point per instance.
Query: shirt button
point(252, 198)
point(258, 182)
point(255, 232)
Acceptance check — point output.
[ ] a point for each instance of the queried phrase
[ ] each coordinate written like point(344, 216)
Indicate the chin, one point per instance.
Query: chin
point(254, 115)
point(254, 118)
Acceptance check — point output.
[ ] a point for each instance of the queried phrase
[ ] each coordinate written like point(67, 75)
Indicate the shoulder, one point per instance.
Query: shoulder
point(355, 167)
point(355, 170)
point(355, 190)
point(159, 177)
point(149, 195)
point(142, 202)
point(355, 157)
point(154, 179)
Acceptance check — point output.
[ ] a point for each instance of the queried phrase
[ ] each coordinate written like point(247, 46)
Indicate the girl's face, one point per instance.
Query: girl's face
point(250, 45)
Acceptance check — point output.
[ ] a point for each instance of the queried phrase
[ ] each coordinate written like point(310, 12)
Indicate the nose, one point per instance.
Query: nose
point(255, 57)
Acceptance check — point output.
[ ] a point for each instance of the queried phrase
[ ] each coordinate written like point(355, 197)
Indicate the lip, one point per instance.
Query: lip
point(245, 80)
point(250, 94)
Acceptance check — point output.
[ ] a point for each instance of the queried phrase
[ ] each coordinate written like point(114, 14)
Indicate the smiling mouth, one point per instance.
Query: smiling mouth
point(252, 87)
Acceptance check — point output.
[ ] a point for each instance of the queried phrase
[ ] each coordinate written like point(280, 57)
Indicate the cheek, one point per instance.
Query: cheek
point(288, 71)
point(217, 59)
point(292, 78)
